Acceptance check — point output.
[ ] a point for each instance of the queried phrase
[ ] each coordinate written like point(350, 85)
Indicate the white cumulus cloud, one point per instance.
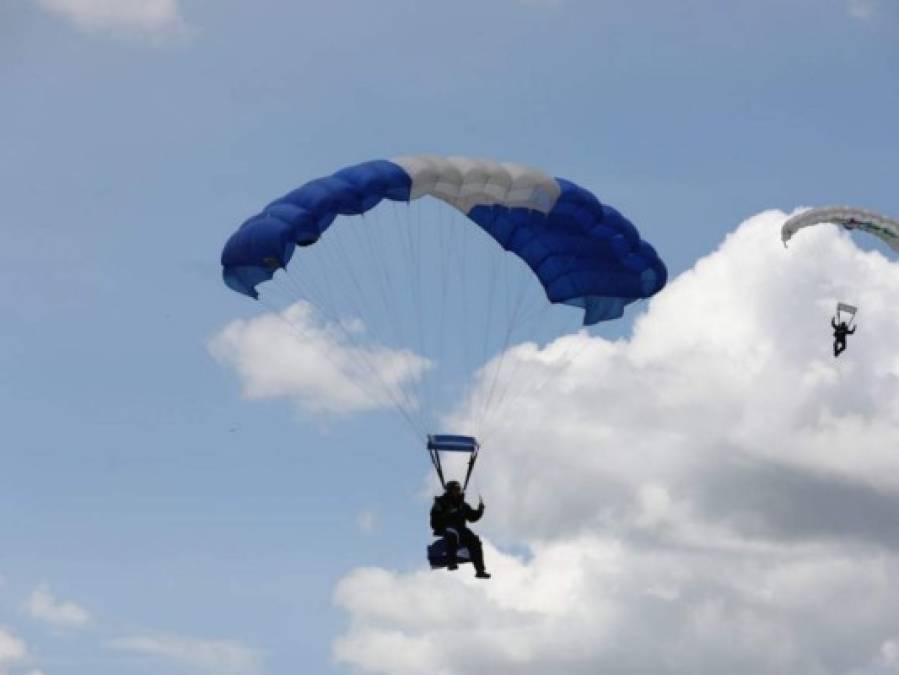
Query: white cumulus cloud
point(298, 356)
point(220, 657)
point(42, 605)
point(716, 493)
point(151, 18)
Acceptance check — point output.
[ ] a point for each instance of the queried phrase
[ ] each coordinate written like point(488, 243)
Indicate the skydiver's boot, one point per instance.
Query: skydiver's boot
point(477, 558)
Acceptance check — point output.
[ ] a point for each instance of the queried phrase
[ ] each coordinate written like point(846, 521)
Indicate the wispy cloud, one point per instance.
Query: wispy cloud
point(367, 521)
point(12, 649)
point(157, 19)
point(543, 3)
point(863, 10)
point(41, 605)
point(889, 654)
point(220, 657)
point(297, 356)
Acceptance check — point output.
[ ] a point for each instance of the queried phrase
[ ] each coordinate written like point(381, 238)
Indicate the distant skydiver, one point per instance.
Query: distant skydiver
point(840, 331)
point(448, 518)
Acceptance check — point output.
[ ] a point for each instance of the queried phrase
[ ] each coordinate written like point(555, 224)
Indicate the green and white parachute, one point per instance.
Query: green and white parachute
point(887, 229)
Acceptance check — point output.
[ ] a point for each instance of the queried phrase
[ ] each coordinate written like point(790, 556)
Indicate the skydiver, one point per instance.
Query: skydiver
point(448, 517)
point(840, 331)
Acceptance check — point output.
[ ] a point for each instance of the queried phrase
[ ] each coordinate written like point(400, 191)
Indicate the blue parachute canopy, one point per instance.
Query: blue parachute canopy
point(583, 252)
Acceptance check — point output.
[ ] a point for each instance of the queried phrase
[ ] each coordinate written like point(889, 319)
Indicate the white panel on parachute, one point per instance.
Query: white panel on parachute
point(465, 183)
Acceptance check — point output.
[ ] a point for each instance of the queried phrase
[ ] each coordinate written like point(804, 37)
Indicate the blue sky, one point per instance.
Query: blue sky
point(137, 482)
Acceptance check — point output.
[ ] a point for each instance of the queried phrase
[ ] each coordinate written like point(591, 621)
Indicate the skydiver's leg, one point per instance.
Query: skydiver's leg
point(471, 541)
point(452, 547)
point(838, 347)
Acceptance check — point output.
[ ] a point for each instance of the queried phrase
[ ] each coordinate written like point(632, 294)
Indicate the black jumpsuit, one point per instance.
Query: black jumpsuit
point(448, 520)
point(840, 331)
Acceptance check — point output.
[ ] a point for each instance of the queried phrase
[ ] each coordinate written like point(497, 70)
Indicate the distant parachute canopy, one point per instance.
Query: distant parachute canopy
point(583, 252)
point(887, 229)
point(847, 309)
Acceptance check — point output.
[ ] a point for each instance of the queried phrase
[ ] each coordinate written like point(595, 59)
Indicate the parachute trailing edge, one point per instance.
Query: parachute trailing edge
point(584, 253)
point(886, 229)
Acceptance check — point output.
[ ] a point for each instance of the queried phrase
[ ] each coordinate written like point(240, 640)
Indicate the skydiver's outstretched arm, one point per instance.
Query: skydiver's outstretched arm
point(474, 515)
point(833, 322)
point(850, 332)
